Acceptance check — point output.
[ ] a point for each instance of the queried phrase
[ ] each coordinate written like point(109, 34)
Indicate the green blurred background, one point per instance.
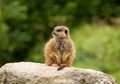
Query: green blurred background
point(26, 25)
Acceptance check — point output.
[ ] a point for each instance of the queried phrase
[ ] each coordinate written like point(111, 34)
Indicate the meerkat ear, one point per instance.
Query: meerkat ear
point(66, 32)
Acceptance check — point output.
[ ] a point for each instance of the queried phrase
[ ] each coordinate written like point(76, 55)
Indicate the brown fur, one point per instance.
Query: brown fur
point(59, 50)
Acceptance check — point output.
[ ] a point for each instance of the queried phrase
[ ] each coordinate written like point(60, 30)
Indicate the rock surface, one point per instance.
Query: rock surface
point(36, 73)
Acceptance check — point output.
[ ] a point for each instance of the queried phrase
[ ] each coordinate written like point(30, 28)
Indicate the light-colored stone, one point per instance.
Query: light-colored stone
point(36, 73)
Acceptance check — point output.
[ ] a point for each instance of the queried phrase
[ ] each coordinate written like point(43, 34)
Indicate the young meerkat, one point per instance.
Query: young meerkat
point(59, 50)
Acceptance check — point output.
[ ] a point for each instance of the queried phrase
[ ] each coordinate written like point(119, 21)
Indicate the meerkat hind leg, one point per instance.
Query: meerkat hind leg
point(50, 61)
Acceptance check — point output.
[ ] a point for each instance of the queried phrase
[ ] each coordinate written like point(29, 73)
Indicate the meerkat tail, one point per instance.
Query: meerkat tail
point(60, 68)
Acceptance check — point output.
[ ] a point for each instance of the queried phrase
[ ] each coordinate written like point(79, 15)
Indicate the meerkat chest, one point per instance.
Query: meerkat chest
point(62, 46)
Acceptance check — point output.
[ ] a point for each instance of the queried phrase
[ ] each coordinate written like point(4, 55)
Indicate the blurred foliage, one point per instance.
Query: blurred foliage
point(25, 26)
point(98, 47)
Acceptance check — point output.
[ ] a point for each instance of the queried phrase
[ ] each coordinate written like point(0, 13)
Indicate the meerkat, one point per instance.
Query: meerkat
point(59, 50)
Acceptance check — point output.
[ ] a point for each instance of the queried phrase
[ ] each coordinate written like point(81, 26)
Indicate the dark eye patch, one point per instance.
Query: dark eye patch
point(59, 30)
point(66, 32)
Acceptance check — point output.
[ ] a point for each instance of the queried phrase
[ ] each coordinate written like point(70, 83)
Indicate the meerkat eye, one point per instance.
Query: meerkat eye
point(59, 30)
point(66, 32)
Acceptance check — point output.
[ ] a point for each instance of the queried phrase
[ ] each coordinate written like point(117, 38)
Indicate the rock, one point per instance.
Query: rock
point(36, 73)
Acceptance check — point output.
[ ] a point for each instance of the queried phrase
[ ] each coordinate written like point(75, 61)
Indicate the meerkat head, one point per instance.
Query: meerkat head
point(61, 32)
